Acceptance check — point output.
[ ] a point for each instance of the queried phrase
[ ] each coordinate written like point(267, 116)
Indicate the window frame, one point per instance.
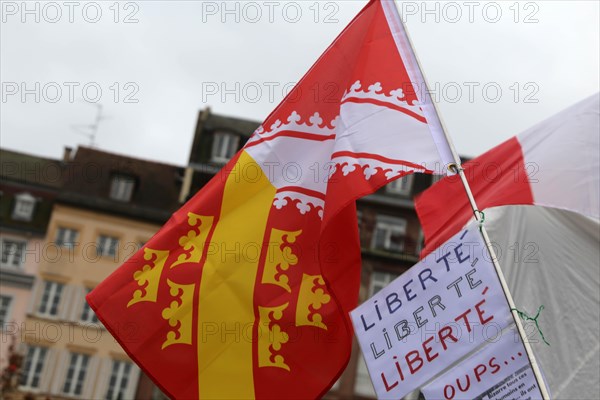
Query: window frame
point(401, 186)
point(9, 263)
point(122, 187)
point(107, 245)
point(5, 309)
point(117, 390)
point(363, 385)
point(92, 318)
point(420, 242)
point(23, 200)
point(389, 277)
point(228, 143)
point(77, 379)
point(390, 224)
point(55, 293)
point(70, 244)
point(26, 381)
point(435, 178)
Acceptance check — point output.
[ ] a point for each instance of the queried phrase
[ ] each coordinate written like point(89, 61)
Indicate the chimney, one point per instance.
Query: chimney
point(67, 154)
point(186, 185)
point(204, 114)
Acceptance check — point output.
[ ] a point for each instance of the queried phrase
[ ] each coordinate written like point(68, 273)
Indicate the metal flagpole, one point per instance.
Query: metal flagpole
point(479, 217)
point(457, 168)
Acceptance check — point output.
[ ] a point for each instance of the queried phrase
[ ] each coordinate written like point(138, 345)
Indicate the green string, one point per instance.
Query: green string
point(481, 218)
point(524, 316)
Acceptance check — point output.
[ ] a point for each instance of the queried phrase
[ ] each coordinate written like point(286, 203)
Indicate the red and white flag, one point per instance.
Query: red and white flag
point(360, 118)
point(554, 164)
point(245, 292)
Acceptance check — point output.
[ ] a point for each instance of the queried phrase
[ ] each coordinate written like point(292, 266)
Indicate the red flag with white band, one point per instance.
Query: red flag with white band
point(245, 292)
point(554, 164)
point(372, 123)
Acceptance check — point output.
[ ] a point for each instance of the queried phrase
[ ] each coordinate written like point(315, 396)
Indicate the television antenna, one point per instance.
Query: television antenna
point(91, 130)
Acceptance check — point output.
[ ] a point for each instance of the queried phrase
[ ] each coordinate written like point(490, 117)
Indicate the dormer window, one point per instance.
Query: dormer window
point(24, 207)
point(401, 186)
point(224, 147)
point(121, 187)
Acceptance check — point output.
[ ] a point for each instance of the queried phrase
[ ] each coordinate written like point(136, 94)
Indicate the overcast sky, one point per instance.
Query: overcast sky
point(158, 70)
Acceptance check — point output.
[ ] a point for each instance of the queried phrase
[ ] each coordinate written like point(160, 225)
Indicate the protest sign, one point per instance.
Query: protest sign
point(500, 370)
point(440, 310)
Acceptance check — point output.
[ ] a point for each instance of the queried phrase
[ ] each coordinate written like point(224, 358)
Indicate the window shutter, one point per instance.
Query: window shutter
point(34, 298)
point(91, 376)
point(103, 377)
point(58, 378)
point(77, 304)
point(48, 368)
point(65, 304)
point(134, 377)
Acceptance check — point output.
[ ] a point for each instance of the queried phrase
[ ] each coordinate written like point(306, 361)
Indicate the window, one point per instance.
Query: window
point(33, 367)
point(107, 245)
point(389, 234)
point(420, 242)
point(121, 187)
point(66, 237)
point(12, 252)
point(50, 298)
point(88, 315)
point(401, 186)
point(362, 384)
point(5, 302)
point(24, 206)
point(76, 374)
point(224, 146)
point(436, 178)
point(157, 394)
point(119, 380)
point(379, 280)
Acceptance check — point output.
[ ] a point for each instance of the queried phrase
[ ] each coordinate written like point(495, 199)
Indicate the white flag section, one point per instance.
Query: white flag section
point(551, 257)
point(500, 370)
point(440, 310)
point(555, 163)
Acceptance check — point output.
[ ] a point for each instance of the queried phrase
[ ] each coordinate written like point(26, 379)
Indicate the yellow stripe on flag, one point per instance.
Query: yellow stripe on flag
point(226, 303)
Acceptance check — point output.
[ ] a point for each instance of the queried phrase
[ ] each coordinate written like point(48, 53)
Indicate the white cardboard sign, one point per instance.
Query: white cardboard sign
point(500, 370)
point(444, 307)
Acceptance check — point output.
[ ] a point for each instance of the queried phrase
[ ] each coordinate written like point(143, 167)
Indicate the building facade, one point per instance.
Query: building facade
point(28, 187)
point(107, 207)
point(99, 211)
